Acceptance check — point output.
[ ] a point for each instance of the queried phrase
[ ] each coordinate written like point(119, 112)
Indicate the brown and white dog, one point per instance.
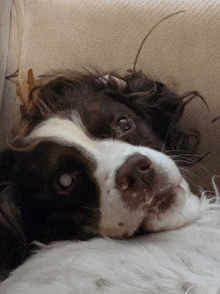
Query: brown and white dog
point(89, 159)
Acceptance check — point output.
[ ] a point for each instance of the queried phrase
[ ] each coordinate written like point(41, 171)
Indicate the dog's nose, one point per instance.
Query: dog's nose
point(134, 178)
point(134, 171)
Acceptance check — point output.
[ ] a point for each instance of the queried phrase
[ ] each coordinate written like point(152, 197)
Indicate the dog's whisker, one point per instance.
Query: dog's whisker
point(186, 171)
point(180, 161)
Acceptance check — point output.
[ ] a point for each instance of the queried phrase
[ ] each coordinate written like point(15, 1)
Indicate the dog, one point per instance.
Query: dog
point(94, 155)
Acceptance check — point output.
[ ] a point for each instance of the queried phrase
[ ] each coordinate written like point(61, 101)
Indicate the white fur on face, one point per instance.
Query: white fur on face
point(117, 220)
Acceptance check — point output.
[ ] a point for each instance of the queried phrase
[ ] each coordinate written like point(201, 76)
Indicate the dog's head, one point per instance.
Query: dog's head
point(86, 160)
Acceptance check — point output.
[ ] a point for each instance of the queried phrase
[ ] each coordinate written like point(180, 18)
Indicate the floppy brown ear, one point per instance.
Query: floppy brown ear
point(163, 109)
point(155, 101)
point(12, 238)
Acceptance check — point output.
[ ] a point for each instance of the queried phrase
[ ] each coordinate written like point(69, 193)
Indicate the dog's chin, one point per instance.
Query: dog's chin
point(171, 209)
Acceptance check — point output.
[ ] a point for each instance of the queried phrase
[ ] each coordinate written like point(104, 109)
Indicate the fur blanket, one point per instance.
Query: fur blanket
point(186, 261)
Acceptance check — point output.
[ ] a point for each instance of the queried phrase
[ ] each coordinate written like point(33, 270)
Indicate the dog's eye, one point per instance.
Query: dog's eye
point(65, 180)
point(124, 124)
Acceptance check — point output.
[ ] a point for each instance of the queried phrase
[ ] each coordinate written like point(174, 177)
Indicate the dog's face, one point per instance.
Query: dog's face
point(89, 160)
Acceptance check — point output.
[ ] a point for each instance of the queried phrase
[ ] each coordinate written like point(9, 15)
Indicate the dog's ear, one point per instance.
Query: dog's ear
point(154, 100)
point(12, 244)
point(162, 108)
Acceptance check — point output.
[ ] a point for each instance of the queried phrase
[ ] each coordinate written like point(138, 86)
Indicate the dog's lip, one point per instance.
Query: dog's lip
point(165, 197)
point(163, 193)
point(151, 210)
point(166, 201)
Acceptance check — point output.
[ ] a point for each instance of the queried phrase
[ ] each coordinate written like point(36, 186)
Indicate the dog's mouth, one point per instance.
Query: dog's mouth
point(165, 205)
point(164, 211)
point(152, 215)
point(171, 209)
point(166, 200)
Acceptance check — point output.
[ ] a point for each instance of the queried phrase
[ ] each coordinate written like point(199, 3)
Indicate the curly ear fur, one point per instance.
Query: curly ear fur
point(163, 109)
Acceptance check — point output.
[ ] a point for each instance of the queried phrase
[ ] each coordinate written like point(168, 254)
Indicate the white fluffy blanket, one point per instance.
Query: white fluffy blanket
point(186, 261)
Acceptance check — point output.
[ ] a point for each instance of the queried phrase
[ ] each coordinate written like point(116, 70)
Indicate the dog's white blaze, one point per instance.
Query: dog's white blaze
point(65, 131)
point(116, 219)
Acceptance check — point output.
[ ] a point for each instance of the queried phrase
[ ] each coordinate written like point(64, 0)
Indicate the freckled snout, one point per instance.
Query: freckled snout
point(134, 179)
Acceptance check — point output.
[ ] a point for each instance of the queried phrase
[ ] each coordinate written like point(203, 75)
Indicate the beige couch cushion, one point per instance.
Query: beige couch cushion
point(182, 52)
